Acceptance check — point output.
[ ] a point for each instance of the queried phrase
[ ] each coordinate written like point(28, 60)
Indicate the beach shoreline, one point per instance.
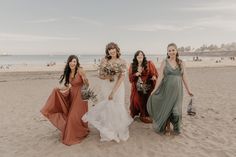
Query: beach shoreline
point(93, 67)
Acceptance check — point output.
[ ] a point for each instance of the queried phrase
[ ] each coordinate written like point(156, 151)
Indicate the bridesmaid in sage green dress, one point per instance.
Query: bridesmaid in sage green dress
point(165, 103)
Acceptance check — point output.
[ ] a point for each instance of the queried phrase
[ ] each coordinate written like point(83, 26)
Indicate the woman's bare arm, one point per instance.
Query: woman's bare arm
point(83, 75)
point(185, 81)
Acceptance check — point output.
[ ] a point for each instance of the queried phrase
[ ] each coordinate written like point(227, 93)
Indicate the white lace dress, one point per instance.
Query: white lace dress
point(110, 117)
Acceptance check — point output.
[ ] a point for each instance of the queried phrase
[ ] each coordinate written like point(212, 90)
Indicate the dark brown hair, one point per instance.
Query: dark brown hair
point(67, 70)
point(135, 61)
point(110, 46)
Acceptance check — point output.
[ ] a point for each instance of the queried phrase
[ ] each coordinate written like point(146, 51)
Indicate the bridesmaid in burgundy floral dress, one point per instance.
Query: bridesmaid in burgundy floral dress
point(65, 107)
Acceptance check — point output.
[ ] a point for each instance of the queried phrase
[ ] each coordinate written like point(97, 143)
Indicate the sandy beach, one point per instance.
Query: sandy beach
point(24, 132)
point(42, 40)
point(24, 67)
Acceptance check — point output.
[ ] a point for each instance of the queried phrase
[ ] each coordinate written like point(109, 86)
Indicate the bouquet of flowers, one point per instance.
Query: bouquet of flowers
point(88, 94)
point(142, 87)
point(110, 70)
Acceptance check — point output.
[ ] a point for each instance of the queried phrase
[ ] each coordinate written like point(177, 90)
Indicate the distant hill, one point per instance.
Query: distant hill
point(211, 50)
point(210, 53)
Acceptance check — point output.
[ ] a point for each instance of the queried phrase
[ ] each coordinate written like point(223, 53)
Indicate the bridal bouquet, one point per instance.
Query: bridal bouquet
point(110, 70)
point(88, 94)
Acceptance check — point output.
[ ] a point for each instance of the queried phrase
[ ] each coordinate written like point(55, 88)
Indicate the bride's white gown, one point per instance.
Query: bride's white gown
point(110, 117)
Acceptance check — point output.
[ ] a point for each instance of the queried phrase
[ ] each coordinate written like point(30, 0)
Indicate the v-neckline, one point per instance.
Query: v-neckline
point(73, 78)
point(171, 65)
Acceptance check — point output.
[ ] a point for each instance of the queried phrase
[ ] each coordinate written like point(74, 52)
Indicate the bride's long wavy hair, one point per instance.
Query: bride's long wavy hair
point(135, 62)
point(67, 70)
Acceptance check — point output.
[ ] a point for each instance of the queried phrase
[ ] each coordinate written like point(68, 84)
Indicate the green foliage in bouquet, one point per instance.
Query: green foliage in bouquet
point(88, 94)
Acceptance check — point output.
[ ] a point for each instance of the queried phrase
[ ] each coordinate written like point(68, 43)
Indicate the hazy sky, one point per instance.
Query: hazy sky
point(75, 26)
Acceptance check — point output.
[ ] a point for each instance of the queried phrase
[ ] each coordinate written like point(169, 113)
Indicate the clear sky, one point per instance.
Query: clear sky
point(85, 27)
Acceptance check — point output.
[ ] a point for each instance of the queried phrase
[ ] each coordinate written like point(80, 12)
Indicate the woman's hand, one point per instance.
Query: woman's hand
point(154, 78)
point(110, 97)
point(64, 88)
point(63, 91)
point(140, 69)
point(190, 93)
point(138, 74)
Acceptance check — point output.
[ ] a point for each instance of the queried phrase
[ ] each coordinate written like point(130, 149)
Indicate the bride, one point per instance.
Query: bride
point(110, 116)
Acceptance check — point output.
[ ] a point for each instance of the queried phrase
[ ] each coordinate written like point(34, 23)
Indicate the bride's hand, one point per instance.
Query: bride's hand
point(110, 97)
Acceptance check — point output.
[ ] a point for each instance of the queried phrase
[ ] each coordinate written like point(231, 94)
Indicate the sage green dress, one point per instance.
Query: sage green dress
point(166, 101)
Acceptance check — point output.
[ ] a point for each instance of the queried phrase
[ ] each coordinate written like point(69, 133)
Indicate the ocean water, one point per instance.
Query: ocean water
point(83, 59)
point(45, 59)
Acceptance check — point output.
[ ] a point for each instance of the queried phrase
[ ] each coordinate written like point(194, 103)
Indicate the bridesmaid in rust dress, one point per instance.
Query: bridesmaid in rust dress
point(65, 107)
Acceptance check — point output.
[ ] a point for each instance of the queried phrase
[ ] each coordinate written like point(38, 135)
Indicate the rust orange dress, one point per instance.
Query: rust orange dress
point(138, 100)
point(64, 111)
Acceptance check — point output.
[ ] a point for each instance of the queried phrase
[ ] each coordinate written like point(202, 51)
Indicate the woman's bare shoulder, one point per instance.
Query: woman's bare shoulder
point(81, 71)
